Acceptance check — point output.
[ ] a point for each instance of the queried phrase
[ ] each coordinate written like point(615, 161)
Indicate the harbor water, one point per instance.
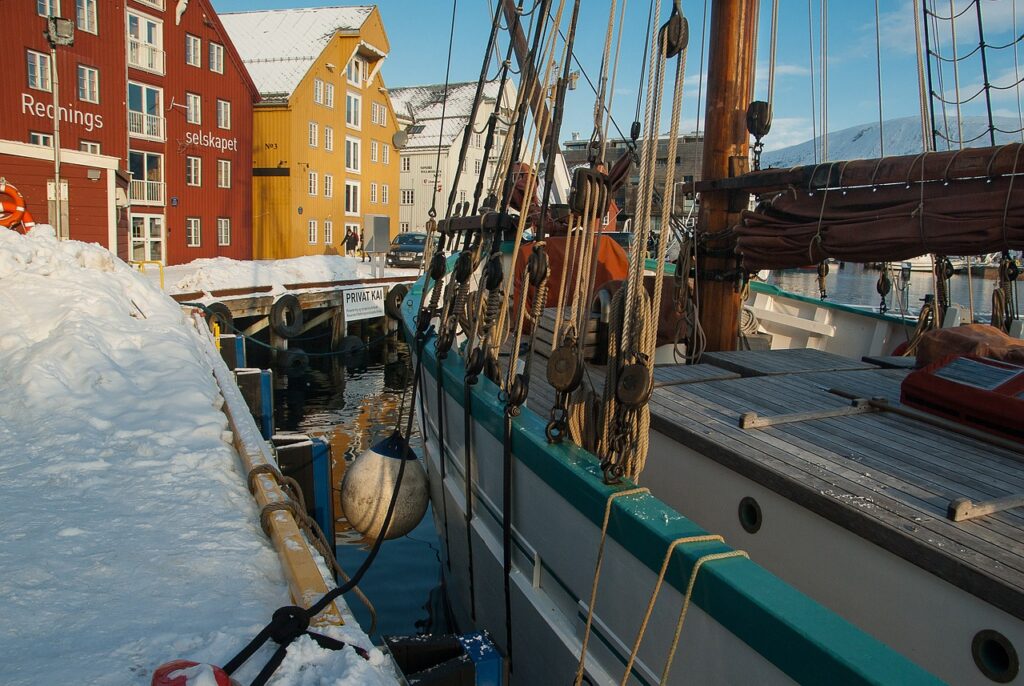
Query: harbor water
point(353, 402)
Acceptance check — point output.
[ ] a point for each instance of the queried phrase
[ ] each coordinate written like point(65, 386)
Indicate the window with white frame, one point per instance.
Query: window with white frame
point(386, 153)
point(462, 196)
point(193, 108)
point(328, 186)
point(88, 84)
point(314, 134)
point(328, 232)
point(145, 43)
point(223, 114)
point(216, 57)
point(384, 194)
point(193, 232)
point(353, 103)
point(352, 150)
point(312, 183)
point(379, 114)
point(85, 16)
point(354, 71)
point(36, 138)
point(223, 231)
point(373, 151)
point(223, 173)
point(47, 8)
point(193, 171)
point(318, 91)
point(373, 193)
point(476, 166)
point(311, 232)
point(403, 226)
point(352, 198)
point(91, 147)
point(329, 94)
point(328, 138)
point(38, 70)
point(406, 164)
point(193, 50)
point(407, 196)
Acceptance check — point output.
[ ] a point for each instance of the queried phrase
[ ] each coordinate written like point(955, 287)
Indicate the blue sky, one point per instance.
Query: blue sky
point(419, 29)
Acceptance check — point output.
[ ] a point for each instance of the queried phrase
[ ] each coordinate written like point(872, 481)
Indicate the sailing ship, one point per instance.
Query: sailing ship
point(746, 494)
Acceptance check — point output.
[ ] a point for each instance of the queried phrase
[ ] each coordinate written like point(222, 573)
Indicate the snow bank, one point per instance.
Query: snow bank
point(222, 272)
point(127, 536)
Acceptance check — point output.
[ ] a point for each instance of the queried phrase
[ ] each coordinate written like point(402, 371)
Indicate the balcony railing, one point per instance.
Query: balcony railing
point(144, 125)
point(146, 192)
point(145, 56)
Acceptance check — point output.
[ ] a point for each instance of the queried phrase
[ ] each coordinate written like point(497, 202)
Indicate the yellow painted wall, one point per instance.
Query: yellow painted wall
point(281, 135)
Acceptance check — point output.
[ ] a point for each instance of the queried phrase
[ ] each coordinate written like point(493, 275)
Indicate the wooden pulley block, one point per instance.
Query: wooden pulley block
point(634, 386)
point(438, 266)
point(493, 273)
point(464, 266)
point(584, 178)
point(565, 369)
point(677, 33)
point(537, 266)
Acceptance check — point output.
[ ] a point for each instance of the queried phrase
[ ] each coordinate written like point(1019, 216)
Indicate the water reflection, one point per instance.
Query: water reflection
point(353, 402)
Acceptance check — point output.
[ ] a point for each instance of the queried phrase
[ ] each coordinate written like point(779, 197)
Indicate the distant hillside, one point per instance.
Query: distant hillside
point(902, 137)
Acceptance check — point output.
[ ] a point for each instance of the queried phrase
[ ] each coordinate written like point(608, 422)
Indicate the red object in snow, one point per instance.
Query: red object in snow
point(184, 672)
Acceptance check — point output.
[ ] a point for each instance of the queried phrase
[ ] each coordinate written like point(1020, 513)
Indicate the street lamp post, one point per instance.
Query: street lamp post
point(59, 31)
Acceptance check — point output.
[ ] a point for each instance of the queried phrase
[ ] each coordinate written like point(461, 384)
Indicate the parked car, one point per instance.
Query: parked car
point(407, 250)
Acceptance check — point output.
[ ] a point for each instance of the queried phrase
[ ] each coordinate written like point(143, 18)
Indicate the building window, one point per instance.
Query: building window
point(147, 236)
point(375, 113)
point(352, 228)
point(328, 138)
point(193, 171)
point(406, 164)
point(352, 105)
point(216, 57)
point(352, 198)
point(192, 232)
point(328, 232)
point(145, 111)
point(462, 196)
point(91, 147)
point(476, 166)
point(373, 193)
point(193, 50)
point(477, 142)
point(147, 170)
point(318, 91)
point(223, 114)
point(88, 84)
point(403, 226)
point(384, 194)
point(312, 183)
point(311, 230)
point(47, 8)
point(386, 156)
point(352, 146)
point(38, 70)
point(354, 72)
point(193, 108)
point(329, 95)
point(85, 15)
point(223, 231)
point(407, 196)
point(223, 173)
point(373, 151)
point(314, 134)
point(328, 187)
point(145, 43)
point(36, 138)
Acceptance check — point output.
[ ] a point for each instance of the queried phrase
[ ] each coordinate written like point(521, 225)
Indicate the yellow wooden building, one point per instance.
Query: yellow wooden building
point(324, 158)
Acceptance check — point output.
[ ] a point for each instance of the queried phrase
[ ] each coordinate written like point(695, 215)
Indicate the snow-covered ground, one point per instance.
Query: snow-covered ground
point(222, 272)
point(127, 535)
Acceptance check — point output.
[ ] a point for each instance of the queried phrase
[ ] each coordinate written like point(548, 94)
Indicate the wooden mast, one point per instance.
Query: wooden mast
point(726, 141)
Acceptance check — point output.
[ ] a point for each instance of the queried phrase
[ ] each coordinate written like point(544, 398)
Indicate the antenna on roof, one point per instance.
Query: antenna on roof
point(412, 115)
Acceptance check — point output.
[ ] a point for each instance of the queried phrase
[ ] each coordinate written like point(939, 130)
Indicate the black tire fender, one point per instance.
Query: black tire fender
point(220, 314)
point(393, 300)
point(286, 316)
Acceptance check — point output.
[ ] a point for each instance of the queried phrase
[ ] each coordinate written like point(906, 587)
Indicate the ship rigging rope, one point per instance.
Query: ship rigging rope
point(824, 80)
point(771, 55)
point(922, 90)
point(878, 71)
point(810, 63)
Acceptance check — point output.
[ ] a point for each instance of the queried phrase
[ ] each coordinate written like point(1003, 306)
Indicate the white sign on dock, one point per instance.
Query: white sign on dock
point(364, 303)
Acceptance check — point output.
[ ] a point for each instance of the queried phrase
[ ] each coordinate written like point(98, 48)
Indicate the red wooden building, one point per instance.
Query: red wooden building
point(156, 126)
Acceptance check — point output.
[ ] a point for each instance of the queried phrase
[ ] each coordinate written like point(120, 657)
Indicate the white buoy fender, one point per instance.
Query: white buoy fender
point(370, 481)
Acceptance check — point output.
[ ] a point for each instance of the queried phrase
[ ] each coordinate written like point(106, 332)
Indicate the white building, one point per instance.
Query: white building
point(418, 110)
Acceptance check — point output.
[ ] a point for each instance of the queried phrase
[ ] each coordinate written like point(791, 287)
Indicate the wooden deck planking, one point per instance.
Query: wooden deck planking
point(765, 362)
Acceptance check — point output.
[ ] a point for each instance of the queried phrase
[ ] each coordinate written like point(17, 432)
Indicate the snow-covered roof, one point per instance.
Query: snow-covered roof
point(422, 106)
point(279, 46)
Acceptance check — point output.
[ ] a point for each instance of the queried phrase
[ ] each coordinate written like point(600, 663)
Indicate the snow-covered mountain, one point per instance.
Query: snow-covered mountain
point(902, 137)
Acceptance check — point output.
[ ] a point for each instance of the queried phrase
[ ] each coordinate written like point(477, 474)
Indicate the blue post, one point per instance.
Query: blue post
point(240, 351)
point(267, 403)
point(323, 510)
point(486, 658)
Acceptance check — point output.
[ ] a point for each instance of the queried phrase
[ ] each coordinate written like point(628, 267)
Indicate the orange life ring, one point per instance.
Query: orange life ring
point(11, 216)
point(26, 222)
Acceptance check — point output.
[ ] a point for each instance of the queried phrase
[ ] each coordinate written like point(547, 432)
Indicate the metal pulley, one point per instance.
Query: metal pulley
point(884, 287)
point(634, 385)
point(759, 123)
point(565, 369)
point(518, 391)
point(944, 268)
point(475, 364)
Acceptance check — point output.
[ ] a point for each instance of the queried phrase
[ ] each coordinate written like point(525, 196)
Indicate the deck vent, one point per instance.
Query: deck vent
point(995, 656)
point(750, 515)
